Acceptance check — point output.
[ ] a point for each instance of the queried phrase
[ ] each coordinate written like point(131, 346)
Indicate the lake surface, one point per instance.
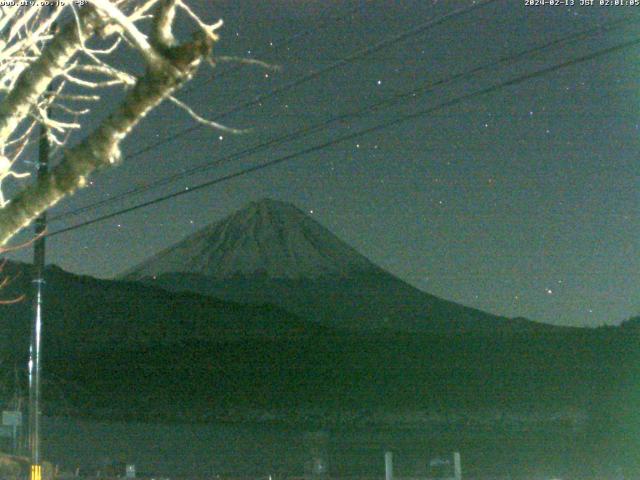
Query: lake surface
point(257, 451)
point(174, 450)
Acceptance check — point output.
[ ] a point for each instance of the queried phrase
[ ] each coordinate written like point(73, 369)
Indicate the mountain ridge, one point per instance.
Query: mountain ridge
point(272, 252)
point(267, 236)
point(84, 313)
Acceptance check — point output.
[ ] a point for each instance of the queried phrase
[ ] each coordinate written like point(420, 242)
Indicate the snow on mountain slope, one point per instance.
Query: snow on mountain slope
point(270, 238)
point(272, 253)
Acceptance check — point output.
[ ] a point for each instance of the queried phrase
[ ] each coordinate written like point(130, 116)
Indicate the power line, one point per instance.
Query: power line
point(423, 27)
point(351, 136)
point(387, 102)
point(232, 70)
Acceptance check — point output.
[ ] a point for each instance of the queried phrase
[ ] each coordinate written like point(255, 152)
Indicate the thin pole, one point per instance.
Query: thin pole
point(457, 466)
point(38, 300)
point(388, 465)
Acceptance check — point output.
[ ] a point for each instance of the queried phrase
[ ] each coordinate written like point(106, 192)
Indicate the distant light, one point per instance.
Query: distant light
point(379, 82)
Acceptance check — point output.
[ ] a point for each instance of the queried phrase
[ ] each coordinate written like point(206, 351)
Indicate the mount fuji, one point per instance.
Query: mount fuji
point(270, 252)
point(267, 311)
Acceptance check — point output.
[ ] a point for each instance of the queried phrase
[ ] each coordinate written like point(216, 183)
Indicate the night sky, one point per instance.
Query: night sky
point(522, 202)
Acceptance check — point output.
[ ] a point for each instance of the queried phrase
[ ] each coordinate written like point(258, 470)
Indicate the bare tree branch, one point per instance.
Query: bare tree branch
point(76, 58)
point(202, 120)
point(102, 147)
point(33, 80)
point(131, 32)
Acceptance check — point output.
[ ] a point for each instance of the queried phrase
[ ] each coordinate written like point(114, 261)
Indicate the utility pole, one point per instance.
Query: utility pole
point(388, 465)
point(38, 300)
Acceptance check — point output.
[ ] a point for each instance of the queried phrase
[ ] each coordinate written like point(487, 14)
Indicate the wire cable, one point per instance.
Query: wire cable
point(305, 131)
point(421, 28)
point(354, 135)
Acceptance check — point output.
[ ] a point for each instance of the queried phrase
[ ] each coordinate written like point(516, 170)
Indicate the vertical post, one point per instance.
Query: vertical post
point(388, 466)
point(36, 331)
point(14, 438)
point(457, 466)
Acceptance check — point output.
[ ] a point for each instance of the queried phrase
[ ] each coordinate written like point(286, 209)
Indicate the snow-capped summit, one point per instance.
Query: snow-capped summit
point(268, 238)
point(270, 252)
